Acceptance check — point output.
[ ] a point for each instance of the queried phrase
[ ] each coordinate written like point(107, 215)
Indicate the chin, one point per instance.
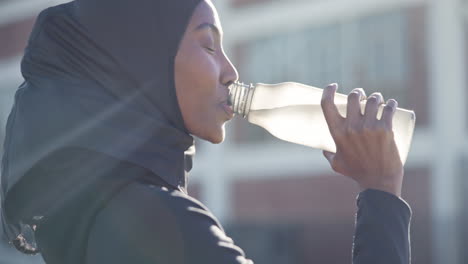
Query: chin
point(215, 136)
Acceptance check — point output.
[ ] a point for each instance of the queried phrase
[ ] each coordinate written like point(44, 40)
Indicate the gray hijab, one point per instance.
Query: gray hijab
point(99, 75)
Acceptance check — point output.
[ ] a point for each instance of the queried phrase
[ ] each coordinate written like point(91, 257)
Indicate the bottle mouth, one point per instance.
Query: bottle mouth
point(229, 99)
point(240, 97)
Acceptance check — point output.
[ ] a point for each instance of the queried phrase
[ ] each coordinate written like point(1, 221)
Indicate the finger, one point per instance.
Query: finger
point(330, 111)
point(362, 92)
point(353, 108)
point(329, 156)
point(388, 113)
point(334, 164)
point(372, 107)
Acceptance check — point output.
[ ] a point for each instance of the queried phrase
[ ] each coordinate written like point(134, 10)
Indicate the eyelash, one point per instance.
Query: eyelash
point(210, 50)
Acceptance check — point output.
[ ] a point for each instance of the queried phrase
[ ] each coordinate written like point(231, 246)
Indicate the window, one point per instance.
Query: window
point(373, 52)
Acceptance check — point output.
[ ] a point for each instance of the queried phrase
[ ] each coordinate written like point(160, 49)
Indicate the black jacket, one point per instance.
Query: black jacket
point(146, 221)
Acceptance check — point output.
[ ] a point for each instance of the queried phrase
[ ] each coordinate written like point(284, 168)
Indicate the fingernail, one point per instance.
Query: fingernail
point(333, 85)
point(393, 102)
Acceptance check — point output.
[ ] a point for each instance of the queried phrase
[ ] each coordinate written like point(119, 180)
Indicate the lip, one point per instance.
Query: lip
point(227, 109)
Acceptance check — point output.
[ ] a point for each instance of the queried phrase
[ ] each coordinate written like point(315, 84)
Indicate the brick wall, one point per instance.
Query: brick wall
point(323, 207)
point(14, 37)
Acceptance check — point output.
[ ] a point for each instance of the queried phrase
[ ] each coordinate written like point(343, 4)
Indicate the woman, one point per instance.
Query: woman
point(99, 142)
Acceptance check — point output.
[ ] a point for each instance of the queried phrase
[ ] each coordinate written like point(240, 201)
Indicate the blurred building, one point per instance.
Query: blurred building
point(281, 202)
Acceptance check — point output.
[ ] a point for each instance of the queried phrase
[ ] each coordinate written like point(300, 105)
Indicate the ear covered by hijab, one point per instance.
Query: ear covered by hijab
point(99, 75)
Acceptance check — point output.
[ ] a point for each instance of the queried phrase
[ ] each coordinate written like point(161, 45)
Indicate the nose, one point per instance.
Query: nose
point(229, 73)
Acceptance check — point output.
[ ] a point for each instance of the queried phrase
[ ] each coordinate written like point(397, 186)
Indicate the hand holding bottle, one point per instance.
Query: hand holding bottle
point(365, 146)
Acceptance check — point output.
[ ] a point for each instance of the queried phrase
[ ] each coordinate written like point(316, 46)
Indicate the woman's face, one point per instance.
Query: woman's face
point(202, 75)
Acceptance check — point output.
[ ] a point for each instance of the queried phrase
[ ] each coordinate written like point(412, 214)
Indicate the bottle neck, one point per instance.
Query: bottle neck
point(240, 97)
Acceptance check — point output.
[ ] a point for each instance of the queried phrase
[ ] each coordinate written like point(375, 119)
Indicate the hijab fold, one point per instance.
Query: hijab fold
point(99, 75)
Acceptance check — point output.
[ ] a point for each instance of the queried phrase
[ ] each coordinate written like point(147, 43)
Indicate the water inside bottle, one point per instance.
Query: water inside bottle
point(306, 125)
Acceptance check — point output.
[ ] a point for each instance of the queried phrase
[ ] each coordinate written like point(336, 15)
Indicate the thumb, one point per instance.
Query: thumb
point(329, 156)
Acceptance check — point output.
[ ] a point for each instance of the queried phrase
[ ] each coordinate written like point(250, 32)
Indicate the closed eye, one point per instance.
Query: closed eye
point(210, 49)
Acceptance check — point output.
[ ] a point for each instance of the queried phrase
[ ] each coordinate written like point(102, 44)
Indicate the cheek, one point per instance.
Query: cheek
point(196, 79)
point(203, 73)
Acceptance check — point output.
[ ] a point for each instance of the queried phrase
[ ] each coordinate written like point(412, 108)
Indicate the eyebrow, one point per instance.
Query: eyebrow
point(214, 28)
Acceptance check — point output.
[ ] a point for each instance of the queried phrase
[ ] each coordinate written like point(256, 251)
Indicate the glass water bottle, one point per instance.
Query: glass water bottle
point(292, 112)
